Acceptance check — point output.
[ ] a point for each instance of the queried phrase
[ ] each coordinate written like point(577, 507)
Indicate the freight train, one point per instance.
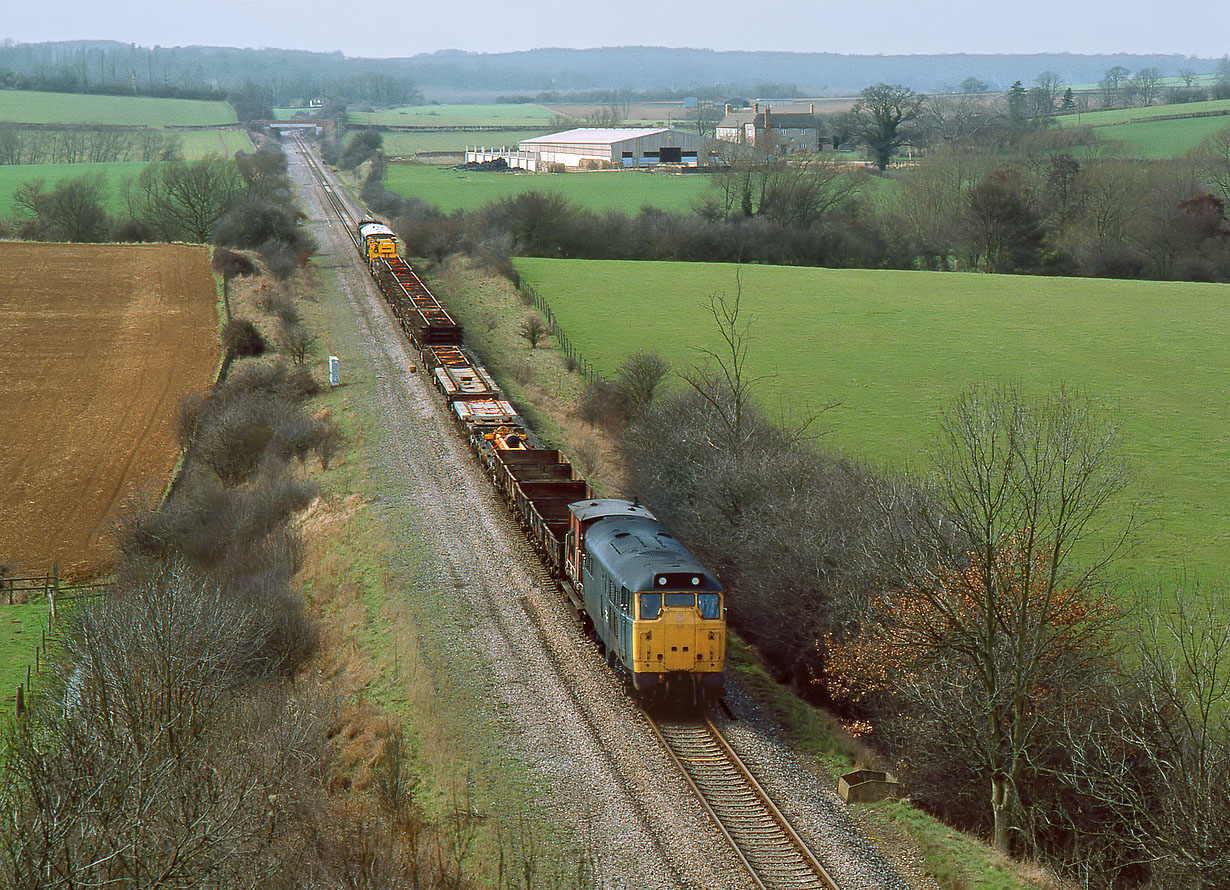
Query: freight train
point(655, 612)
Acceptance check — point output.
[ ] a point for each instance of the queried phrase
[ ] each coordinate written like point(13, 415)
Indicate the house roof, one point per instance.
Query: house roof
point(784, 120)
point(594, 135)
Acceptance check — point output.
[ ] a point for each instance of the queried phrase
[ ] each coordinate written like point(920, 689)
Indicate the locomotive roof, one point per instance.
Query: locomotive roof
point(598, 507)
point(371, 227)
point(640, 554)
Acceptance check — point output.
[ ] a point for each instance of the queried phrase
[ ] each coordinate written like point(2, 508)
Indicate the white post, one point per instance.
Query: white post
point(335, 376)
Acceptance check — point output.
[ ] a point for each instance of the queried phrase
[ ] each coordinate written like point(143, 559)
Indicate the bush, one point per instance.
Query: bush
point(231, 264)
point(241, 338)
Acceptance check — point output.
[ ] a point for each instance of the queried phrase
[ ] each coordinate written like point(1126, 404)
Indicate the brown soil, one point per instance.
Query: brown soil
point(97, 345)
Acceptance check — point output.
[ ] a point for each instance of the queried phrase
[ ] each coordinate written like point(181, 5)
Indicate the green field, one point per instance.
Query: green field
point(407, 144)
point(1160, 138)
point(1124, 115)
point(115, 175)
point(21, 629)
point(28, 107)
point(1146, 133)
point(510, 116)
point(223, 143)
point(628, 191)
point(895, 346)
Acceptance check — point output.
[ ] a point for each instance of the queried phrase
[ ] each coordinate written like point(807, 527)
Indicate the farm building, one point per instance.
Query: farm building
point(604, 148)
point(780, 132)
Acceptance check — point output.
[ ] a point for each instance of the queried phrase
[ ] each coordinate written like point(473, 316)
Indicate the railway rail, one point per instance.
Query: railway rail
point(774, 855)
point(770, 849)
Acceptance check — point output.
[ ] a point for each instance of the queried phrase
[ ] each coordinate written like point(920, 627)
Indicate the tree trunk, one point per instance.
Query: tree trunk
point(999, 810)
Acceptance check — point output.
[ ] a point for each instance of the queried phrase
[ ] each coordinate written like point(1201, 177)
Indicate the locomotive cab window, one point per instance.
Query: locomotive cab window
point(710, 605)
point(681, 599)
point(651, 606)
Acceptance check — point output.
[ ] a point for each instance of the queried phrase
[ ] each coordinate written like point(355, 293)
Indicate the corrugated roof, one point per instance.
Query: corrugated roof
point(595, 135)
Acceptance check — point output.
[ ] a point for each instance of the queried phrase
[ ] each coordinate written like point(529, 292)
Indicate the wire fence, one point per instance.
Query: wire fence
point(56, 595)
point(576, 361)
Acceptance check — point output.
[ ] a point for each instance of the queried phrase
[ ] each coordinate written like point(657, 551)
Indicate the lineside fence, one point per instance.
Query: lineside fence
point(57, 595)
point(576, 361)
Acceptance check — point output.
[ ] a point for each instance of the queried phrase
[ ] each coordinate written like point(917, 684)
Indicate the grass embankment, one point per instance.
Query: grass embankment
point(491, 311)
point(511, 116)
point(893, 347)
point(627, 191)
point(391, 641)
point(29, 107)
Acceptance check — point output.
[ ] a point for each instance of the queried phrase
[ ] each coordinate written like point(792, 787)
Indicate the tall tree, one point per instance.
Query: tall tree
point(881, 119)
point(998, 599)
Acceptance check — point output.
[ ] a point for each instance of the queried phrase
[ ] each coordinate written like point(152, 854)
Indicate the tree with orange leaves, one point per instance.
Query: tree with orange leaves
point(995, 607)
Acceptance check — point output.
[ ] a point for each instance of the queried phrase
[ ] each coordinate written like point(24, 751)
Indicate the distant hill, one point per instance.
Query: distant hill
point(648, 67)
point(85, 65)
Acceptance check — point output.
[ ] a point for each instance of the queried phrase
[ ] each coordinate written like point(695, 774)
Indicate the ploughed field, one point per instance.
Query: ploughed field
point(97, 345)
point(893, 347)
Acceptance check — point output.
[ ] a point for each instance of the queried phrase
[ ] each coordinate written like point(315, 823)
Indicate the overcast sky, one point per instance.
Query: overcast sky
point(407, 27)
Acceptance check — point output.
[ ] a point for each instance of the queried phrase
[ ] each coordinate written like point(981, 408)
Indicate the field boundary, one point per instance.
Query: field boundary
point(578, 361)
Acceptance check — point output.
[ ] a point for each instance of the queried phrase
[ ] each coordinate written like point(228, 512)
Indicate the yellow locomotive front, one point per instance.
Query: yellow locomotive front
point(657, 612)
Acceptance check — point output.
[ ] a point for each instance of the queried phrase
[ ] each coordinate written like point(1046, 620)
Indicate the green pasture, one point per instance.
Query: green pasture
point(1162, 138)
point(223, 143)
point(510, 116)
point(1124, 115)
point(21, 627)
point(628, 191)
point(28, 107)
point(12, 176)
point(893, 347)
point(407, 144)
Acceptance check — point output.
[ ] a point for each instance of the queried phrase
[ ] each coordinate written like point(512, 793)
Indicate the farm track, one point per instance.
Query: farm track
point(607, 771)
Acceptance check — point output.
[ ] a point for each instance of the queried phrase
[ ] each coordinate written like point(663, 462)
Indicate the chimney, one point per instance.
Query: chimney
point(813, 108)
point(755, 108)
point(728, 109)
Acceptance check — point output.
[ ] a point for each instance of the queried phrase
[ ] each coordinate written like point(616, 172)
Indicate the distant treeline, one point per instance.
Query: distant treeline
point(292, 76)
point(285, 77)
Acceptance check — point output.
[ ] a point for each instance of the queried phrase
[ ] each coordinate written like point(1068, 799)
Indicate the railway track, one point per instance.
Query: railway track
point(774, 854)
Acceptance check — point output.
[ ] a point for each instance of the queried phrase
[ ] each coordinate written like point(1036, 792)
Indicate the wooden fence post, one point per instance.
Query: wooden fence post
point(21, 701)
point(55, 588)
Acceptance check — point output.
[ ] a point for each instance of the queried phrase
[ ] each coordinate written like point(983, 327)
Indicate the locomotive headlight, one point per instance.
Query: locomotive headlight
point(695, 581)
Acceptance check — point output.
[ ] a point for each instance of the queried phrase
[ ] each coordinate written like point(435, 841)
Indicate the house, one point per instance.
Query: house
point(775, 132)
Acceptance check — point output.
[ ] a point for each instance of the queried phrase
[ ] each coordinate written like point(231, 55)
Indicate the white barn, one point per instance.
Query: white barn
point(604, 148)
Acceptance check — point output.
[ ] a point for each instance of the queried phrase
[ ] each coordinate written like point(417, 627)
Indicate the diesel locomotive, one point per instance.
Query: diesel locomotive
point(654, 610)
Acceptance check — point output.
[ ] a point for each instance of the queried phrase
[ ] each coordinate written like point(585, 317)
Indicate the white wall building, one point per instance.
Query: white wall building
point(604, 148)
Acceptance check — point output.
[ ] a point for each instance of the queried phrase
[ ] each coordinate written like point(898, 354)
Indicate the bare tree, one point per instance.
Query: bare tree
point(725, 384)
point(998, 597)
point(534, 330)
point(1147, 85)
point(1112, 84)
point(185, 199)
point(1214, 161)
point(1157, 757)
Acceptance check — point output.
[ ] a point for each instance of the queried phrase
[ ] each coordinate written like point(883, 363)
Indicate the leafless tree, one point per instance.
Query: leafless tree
point(183, 200)
point(1157, 756)
point(1213, 159)
point(1147, 85)
point(999, 580)
point(723, 381)
point(534, 330)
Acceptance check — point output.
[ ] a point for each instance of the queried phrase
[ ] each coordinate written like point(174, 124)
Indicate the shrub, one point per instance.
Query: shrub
point(241, 338)
point(230, 263)
point(534, 330)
